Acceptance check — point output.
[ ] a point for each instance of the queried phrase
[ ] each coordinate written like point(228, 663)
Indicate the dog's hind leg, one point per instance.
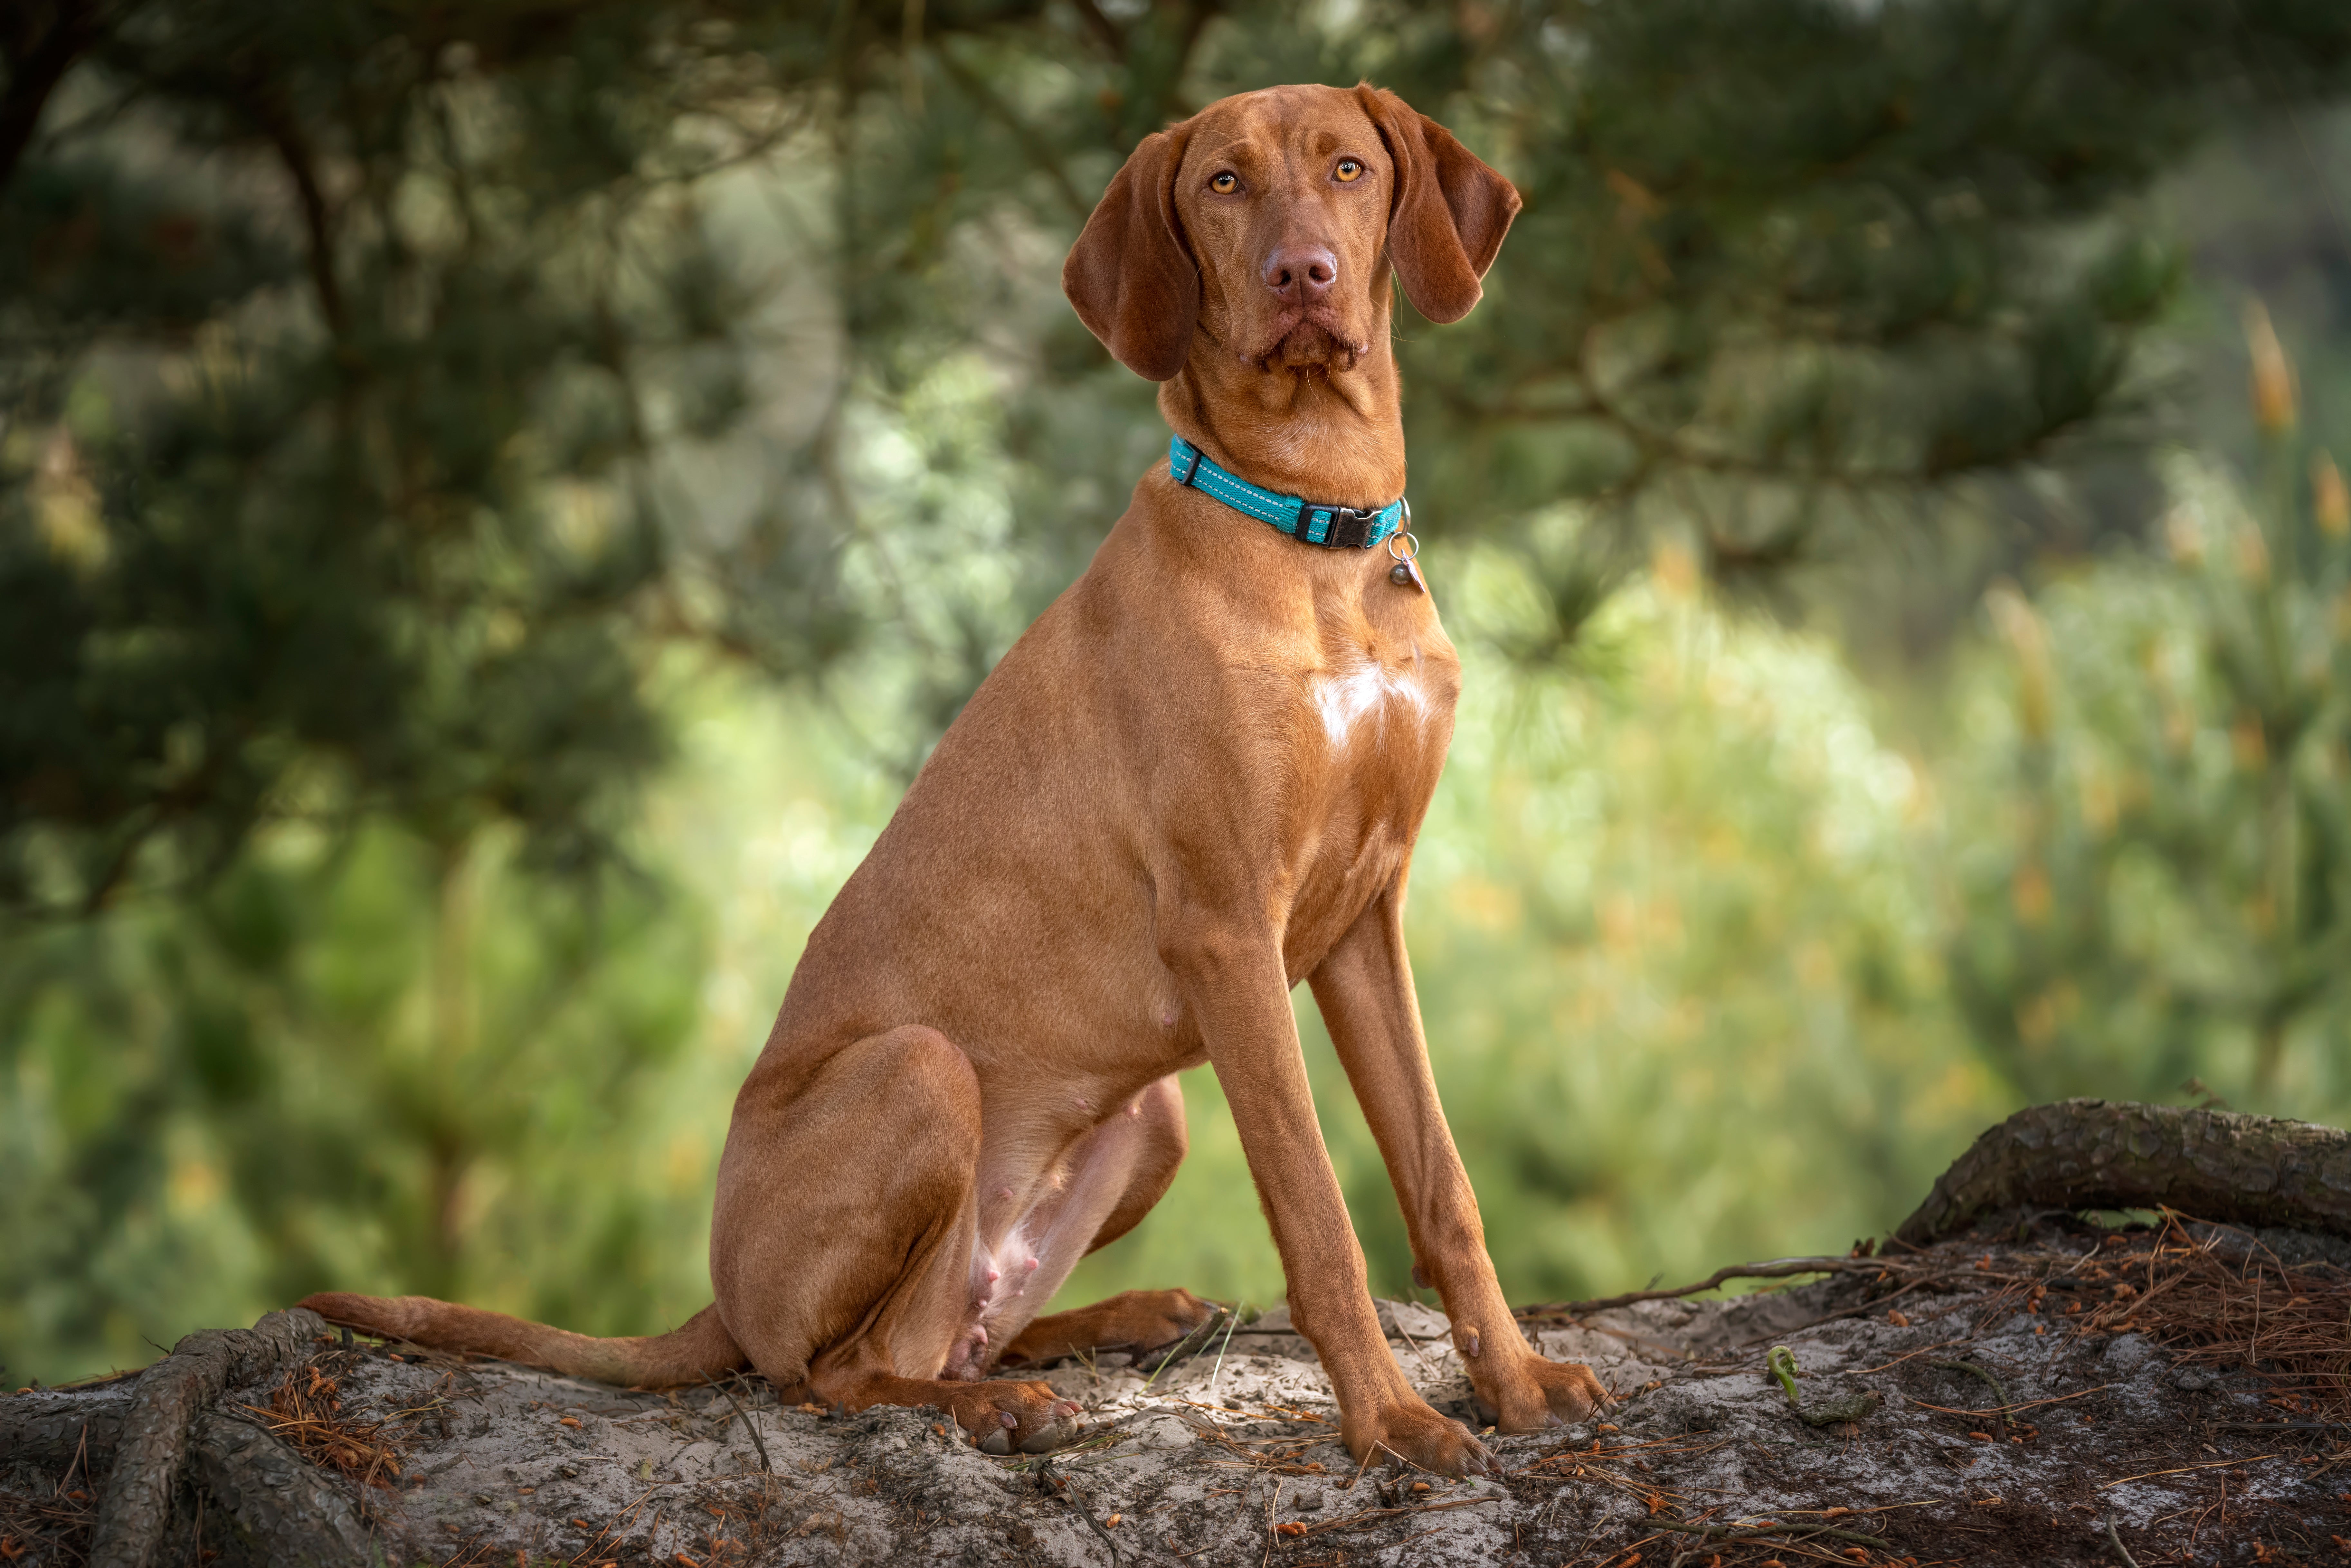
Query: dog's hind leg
point(843, 1235)
point(1107, 1183)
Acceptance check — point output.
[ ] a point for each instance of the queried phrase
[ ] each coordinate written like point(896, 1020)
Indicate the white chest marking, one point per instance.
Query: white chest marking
point(1351, 694)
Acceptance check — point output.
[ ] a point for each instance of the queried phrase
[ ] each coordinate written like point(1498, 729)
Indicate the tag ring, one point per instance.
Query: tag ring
point(1404, 536)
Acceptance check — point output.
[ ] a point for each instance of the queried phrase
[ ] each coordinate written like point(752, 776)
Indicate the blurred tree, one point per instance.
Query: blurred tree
point(347, 358)
point(342, 347)
point(360, 1065)
point(336, 347)
point(2162, 886)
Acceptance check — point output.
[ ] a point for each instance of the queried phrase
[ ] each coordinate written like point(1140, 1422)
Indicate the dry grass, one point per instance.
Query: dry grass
point(2240, 1307)
point(306, 1409)
point(1276, 1455)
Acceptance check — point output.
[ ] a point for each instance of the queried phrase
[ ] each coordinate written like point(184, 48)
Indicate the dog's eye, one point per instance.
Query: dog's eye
point(1225, 184)
point(1350, 168)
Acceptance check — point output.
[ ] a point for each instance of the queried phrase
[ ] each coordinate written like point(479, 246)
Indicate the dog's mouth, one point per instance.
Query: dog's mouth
point(1304, 341)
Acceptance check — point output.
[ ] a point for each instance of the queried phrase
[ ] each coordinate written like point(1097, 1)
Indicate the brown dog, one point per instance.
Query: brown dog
point(1194, 782)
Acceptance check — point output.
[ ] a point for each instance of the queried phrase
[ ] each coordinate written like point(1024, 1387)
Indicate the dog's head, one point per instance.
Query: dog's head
point(1268, 222)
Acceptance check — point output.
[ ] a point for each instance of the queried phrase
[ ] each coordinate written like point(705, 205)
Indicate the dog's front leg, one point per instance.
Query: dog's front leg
point(1364, 989)
point(1237, 988)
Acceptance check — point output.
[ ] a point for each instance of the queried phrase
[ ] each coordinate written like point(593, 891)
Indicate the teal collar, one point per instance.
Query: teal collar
point(1336, 528)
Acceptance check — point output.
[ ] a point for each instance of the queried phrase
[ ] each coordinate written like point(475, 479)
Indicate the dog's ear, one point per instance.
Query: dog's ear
point(1448, 212)
point(1132, 279)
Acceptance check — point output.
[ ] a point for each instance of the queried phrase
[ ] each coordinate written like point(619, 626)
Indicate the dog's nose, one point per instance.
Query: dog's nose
point(1302, 274)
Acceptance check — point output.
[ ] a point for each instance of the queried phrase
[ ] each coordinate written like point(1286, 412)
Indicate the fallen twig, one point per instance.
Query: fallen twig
point(2036, 1404)
point(1057, 1486)
point(1744, 1532)
point(1776, 1268)
point(1923, 1350)
point(2212, 1465)
point(2281, 1426)
point(1372, 1513)
point(1859, 1309)
point(1997, 1392)
point(756, 1442)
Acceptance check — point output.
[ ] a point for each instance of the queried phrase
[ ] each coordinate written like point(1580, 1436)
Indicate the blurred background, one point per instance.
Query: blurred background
point(497, 501)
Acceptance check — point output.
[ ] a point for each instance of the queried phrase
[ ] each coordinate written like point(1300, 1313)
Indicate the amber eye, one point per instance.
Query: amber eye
point(1350, 168)
point(1225, 184)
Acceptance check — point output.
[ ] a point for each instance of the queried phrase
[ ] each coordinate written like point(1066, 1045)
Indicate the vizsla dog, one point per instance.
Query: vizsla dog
point(1194, 782)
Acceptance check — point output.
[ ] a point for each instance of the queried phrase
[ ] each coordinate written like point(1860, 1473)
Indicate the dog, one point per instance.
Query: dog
point(1195, 781)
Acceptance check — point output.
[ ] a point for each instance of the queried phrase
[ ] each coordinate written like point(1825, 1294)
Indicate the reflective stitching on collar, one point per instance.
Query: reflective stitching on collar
point(1282, 512)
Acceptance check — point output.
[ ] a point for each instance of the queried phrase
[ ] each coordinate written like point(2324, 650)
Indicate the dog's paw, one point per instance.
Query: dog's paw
point(1136, 1321)
point(1569, 1389)
point(1413, 1434)
point(1540, 1392)
point(1152, 1320)
point(1027, 1417)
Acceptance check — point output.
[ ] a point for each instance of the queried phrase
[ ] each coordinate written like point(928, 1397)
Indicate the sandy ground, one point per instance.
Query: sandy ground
point(2037, 1429)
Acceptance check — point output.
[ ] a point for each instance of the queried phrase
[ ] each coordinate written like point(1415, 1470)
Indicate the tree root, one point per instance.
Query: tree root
point(171, 1402)
point(283, 1506)
point(2101, 1153)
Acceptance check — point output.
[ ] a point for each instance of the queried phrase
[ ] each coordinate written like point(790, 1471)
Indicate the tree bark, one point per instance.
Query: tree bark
point(282, 1507)
point(2100, 1154)
point(153, 1448)
point(49, 1427)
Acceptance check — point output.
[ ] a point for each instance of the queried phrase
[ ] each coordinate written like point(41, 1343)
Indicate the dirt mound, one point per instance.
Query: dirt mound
point(2039, 1389)
point(2027, 1390)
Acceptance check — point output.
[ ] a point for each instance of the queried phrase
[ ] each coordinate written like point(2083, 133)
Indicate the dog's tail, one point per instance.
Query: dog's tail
point(700, 1348)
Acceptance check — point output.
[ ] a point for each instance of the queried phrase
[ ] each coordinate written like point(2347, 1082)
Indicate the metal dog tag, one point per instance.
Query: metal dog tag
point(1405, 572)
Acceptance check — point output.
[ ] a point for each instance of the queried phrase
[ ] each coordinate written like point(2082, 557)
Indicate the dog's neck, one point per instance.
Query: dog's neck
point(1313, 432)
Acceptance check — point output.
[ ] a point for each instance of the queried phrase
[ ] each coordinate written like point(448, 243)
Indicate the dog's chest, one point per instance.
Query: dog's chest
point(1378, 687)
point(1363, 696)
point(1374, 716)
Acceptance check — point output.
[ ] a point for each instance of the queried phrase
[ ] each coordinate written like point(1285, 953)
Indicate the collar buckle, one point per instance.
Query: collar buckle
point(1333, 528)
point(1350, 529)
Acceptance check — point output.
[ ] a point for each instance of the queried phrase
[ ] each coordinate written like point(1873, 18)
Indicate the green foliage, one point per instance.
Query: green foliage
point(427, 337)
point(2158, 885)
point(368, 1063)
point(340, 355)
